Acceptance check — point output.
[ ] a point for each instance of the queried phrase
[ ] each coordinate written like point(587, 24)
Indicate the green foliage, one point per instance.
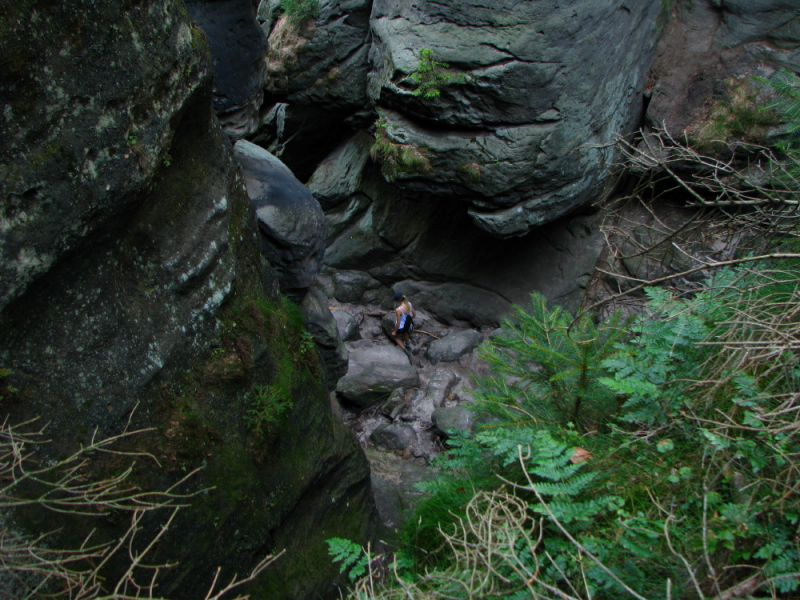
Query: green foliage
point(431, 75)
point(664, 349)
point(546, 367)
point(739, 116)
point(396, 158)
point(292, 354)
point(354, 560)
point(269, 405)
point(306, 343)
point(467, 468)
point(787, 84)
point(694, 471)
point(300, 10)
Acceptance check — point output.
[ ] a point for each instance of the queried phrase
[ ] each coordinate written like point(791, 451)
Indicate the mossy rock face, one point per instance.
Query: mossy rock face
point(90, 91)
point(133, 293)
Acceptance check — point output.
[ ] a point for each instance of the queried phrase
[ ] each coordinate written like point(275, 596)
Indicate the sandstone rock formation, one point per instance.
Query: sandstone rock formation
point(290, 220)
point(510, 143)
point(511, 139)
point(544, 83)
point(239, 47)
point(133, 293)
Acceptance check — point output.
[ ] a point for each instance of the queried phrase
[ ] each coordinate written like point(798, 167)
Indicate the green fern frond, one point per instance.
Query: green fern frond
point(352, 557)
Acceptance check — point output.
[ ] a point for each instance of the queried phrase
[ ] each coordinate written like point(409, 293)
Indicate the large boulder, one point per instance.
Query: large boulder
point(80, 143)
point(374, 372)
point(347, 325)
point(352, 286)
point(292, 224)
point(394, 436)
point(133, 296)
point(453, 346)
point(456, 303)
point(239, 47)
point(385, 236)
point(324, 62)
point(337, 178)
point(317, 83)
point(518, 137)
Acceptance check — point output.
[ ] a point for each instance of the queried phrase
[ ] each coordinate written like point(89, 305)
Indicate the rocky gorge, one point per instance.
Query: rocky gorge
point(189, 189)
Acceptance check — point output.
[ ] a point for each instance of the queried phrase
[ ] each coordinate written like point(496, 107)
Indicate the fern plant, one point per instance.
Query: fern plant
point(354, 560)
point(664, 350)
point(550, 471)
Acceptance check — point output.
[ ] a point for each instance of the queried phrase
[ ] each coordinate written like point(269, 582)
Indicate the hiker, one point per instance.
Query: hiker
point(403, 323)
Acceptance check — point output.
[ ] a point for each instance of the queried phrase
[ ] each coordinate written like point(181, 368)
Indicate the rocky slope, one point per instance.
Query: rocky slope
point(132, 279)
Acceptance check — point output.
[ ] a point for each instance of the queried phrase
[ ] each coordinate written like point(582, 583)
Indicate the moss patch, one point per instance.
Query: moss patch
point(396, 158)
point(737, 117)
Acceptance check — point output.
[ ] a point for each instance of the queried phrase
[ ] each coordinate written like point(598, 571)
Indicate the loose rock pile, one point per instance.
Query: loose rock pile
point(401, 409)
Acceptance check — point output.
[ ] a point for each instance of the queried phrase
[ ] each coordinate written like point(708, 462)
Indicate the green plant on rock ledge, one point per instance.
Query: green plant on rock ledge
point(300, 10)
point(432, 75)
point(396, 158)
